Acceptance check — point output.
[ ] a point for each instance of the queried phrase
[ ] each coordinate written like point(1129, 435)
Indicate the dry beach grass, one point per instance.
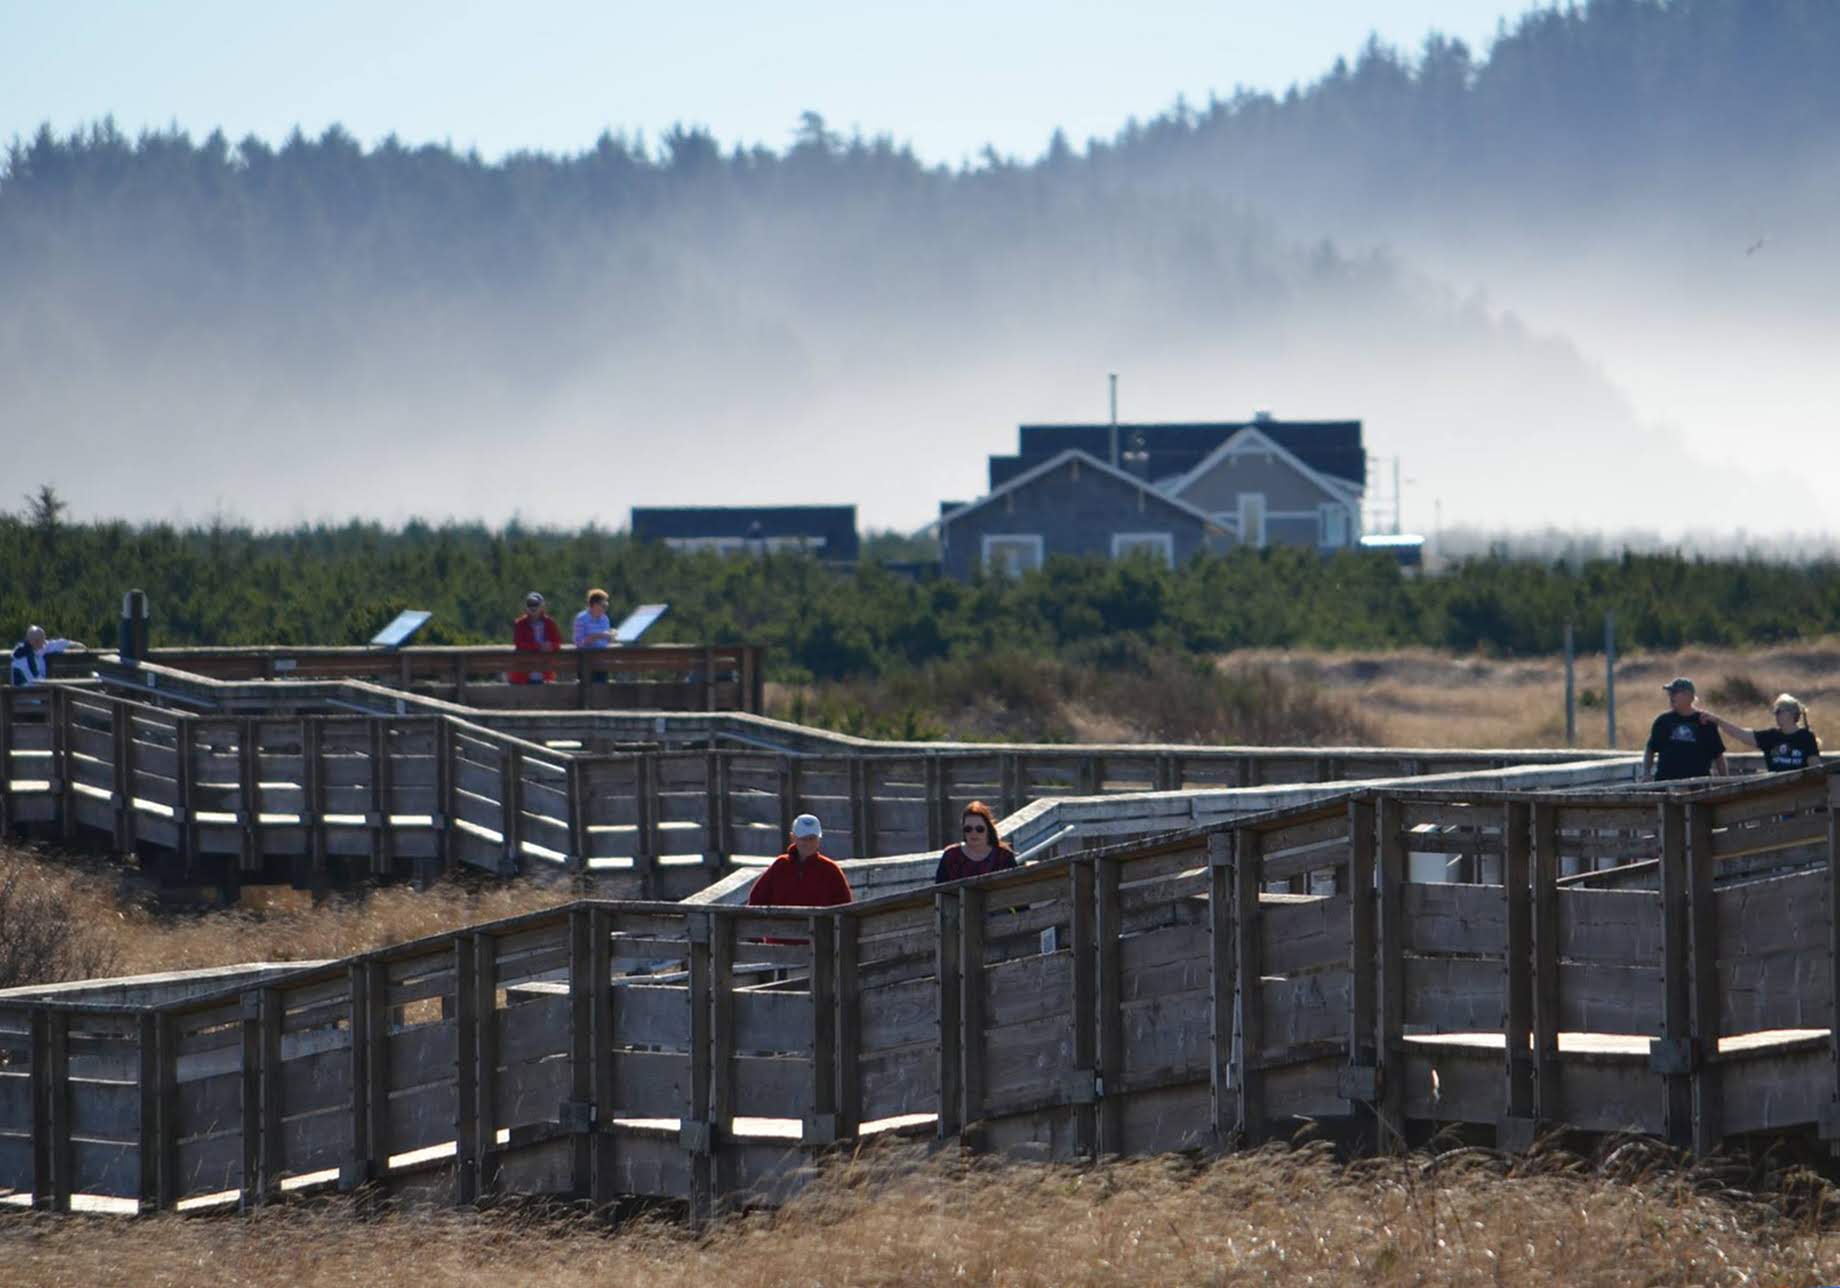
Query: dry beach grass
point(1278, 1216)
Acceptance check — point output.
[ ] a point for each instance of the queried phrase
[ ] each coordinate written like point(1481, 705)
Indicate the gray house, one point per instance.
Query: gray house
point(1255, 483)
point(1073, 504)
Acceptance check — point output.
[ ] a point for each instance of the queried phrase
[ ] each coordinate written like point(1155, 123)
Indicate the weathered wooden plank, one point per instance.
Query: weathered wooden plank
point(775, 1021)
point(1027, 988)
point(1787, 990)
point(1780, 914)
point(1025, 1064)
point(422, 1054)
point(899, 1014)
point(1611, 927)
point(1454, 918)
point(533, 1029)
point(104, 1110)
point(904, 1080)
point(1301, 1012)
point(423, 1116)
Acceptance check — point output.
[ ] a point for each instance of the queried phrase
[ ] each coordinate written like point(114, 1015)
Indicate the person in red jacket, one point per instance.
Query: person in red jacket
point(801, 877)
point(535, 632)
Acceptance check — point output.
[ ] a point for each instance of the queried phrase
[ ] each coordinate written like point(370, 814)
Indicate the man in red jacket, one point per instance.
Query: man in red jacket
point(535, 632)
point(801, 877)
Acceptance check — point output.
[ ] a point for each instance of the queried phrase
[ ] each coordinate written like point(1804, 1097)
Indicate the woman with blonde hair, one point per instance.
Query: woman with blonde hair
point(1790, 746)
point(981, 850)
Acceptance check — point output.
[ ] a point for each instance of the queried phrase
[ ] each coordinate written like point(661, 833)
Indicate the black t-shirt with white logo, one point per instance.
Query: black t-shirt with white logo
point(1786, 751)
point(1683, 746)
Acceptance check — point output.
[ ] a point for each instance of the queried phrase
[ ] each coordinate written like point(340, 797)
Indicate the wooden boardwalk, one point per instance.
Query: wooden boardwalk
point(329, 784)
point(1206, 989)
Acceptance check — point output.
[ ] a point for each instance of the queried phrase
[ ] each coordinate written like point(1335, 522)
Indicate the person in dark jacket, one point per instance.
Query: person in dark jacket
point(1680, 744)
point(979, 852)
point(535, 632)
point(1788, 746)
point(29, 655)
point(802, 877)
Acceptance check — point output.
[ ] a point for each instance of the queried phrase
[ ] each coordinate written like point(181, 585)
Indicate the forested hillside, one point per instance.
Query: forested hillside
point(292, 330)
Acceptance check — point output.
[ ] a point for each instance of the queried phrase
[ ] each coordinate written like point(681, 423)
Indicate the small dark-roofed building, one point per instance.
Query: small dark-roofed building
point(827, 531)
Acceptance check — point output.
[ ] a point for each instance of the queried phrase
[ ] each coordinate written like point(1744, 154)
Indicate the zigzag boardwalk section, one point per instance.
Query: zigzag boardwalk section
point(1204, 989)
point(329, 784)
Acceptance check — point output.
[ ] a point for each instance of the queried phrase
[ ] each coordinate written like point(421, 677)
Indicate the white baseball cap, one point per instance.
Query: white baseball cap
point(807, 825)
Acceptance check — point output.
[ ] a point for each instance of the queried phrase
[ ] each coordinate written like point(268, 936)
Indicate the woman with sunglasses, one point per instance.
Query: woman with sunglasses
point(1790, 746)
point(980, 851)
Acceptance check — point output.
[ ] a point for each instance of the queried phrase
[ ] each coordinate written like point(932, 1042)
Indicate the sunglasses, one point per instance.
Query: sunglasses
point(976, 827)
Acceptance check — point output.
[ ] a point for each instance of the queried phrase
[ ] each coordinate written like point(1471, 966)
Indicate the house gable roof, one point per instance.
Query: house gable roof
point(1253, 439)
point(1089, 461)
point(1332, 448)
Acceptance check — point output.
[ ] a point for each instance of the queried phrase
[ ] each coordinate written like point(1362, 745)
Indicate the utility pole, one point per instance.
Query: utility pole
point(1112, 378)
point(1610, 674)
point(1571, 706)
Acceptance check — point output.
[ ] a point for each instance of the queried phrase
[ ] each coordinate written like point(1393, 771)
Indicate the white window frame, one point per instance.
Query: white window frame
point(1028, 539)
point(1164, 543)
point(1327, 515)
point(1258, 540)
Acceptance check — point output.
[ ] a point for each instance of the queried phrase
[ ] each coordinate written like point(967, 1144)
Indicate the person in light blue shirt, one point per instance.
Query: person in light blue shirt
point(593, 628)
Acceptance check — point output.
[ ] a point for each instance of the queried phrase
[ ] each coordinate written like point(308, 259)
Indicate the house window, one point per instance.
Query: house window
point(1010, 554)
point(1252, 519)
point(1332, 526)
point(1161, 545)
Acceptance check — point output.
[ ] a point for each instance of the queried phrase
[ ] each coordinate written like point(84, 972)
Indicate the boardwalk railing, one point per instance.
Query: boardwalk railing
point(1208, 988)
point(649, 677)
point(321, 794)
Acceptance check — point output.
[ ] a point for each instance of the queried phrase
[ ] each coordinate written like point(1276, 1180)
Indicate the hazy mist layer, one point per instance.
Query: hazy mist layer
point(1559, 309)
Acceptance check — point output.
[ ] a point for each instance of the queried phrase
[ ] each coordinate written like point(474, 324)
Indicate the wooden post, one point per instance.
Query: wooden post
point(1517, 1128)
point(715, 843)
point(947, 946)
point(583, 1112)
point(1672, 1055)
point(6, 763)
point(1249, 952)
point(1830, 1119)
point(935, 802)
point(313, 806)
point(848, 993)
point(709, 678)
point(121, 736)
point(1111, 1008)
point(269, 1151)
point(576, 790)
point(820, 1125)
point(646, 800)
point(63, 716)
point(1390, 1000)
point(50, 1091)
point(971, 1080)
point(698, 1134)
point(1549, 1104)
point(1222, 951)
point(166, 1146)
point(511, 806)
point(447, 791)
point(250, 1065)
point(606, 1187)
point(1702, 913)
point(249, 777)
point(485, 1075)
point(382, 863)
point(1363, 1057)
point(1083, 920)
point(466, 1070)
point(147, 1127)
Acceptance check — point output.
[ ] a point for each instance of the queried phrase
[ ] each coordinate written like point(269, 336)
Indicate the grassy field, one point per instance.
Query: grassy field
point(1402, 697)
point(1278, 1216)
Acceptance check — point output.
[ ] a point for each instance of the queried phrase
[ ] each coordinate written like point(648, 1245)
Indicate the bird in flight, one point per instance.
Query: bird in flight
point(1755, 246)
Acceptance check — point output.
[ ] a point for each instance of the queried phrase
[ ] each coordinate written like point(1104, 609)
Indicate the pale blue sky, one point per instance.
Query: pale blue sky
point(946, 76)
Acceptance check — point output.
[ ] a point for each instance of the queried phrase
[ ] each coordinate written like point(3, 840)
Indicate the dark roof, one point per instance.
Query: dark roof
point(1332, 447)
point(834, 525)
